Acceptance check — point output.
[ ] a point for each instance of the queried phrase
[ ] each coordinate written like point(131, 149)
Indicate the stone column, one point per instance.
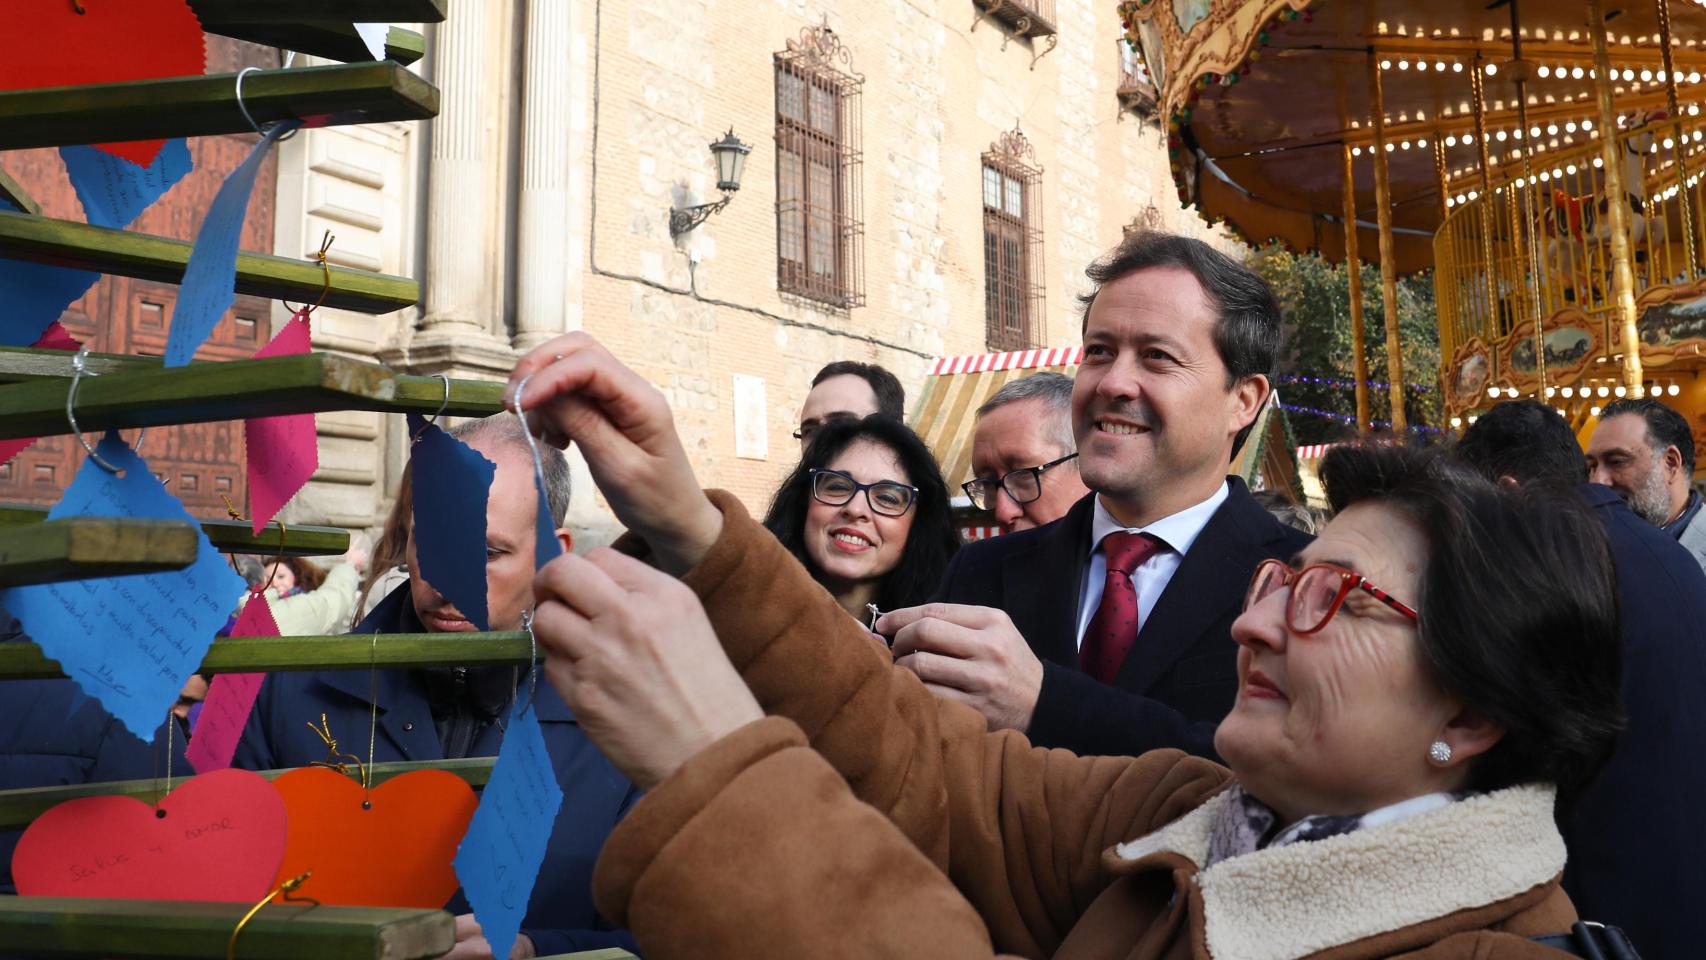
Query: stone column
point(461, 330)
point(542, 246)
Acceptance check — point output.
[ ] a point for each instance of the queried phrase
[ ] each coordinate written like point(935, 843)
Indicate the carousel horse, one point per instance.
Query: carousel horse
point(1571, 223)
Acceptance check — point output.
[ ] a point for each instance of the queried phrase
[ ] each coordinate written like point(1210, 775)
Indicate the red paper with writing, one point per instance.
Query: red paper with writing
point(221, 840)
point(231, 697)
point(52, 45)
point(283, 451)
point(54, 338)
point(397, 854)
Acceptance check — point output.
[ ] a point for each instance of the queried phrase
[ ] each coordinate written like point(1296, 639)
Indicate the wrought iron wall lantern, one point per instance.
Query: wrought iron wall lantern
point(730, 154)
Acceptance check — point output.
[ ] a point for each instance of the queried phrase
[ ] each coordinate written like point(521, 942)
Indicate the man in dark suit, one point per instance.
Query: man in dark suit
point(1634, 836)
point(1108, 630)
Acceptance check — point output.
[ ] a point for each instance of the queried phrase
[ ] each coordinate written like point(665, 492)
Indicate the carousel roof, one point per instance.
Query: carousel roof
point(1263, 94)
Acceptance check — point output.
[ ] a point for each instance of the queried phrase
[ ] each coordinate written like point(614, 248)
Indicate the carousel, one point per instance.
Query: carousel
point(1543, 159)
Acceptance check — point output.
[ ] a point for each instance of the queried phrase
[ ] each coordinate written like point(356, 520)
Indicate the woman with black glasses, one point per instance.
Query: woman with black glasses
point(866, 511)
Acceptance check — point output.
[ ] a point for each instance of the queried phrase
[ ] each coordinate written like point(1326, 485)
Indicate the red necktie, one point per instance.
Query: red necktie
point(1113, 629)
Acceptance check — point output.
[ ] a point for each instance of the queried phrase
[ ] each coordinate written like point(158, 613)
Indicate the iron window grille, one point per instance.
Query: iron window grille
point(1012, 244)
point(820, 227)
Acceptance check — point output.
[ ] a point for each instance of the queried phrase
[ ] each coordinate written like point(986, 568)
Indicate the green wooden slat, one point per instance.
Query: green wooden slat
point(25, 661)
point(14, 191)
point(608, 953)
point(200, 393)
point(19, 808)
point(227, 536)
point(359, 11)
point(67, 927)
point(79, 548)
point(331, 39)
point(468, 398)
point(68, 243)
point(207, 106)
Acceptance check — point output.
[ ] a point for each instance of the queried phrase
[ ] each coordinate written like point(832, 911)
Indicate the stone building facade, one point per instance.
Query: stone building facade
point(539, 202)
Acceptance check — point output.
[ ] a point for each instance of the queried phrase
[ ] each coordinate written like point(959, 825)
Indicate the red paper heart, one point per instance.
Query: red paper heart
point(396, 854)
point(52, 45)
point(221, 839)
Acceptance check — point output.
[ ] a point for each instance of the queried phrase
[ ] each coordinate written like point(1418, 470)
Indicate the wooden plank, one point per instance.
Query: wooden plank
point(227, 536)
point(68, 243)
point(409, 393)
point(26, 661)
point(198, 393)
point(14, 192)
point(359, 11)
point(19, 808)
point(207, 105)
point(608, 953)
point(331, 39)
point(79, 548)
point(71, 927)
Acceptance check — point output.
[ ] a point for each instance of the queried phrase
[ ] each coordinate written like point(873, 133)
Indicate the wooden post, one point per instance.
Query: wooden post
point(1388, 255)
point(1478, 97)
point(1353, 271)
point(1622, 270)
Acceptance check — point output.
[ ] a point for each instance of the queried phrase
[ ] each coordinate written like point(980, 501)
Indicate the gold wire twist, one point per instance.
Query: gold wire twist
point(285, 889)
point(324, 732)
point(372, 721)
point(326, 241)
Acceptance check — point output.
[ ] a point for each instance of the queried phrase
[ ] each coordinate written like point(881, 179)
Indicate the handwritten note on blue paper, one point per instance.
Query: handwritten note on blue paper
point(35, 295)
point(452, 483)
point(501, 853)
point(210, 276)
point(129, 642)
point(115, 191)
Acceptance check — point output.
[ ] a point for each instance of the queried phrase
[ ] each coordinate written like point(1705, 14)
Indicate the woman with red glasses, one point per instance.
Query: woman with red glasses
point(1420, 689)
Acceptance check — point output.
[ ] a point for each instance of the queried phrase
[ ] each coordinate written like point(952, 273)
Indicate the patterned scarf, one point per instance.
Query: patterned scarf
point(1246, 824)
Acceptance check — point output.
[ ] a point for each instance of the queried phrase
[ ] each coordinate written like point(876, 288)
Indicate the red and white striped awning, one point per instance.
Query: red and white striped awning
point(1014, 360)
point(1314, 451)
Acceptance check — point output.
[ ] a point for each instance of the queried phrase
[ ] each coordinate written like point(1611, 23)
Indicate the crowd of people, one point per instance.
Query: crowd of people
point(1157, 718)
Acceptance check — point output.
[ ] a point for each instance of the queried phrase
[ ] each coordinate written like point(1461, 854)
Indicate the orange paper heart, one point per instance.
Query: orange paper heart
point(397, 853)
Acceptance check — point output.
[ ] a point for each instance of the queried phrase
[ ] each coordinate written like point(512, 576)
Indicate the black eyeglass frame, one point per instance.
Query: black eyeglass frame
point(1037, 473)
point(858, 487)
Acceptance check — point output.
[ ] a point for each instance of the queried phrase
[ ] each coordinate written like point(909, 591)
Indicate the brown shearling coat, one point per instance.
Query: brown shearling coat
point(866, 818)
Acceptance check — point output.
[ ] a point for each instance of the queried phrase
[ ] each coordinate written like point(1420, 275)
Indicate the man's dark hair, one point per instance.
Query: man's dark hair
point(885, 386)
point(932, 541)
point(1665, 427)
point(1247, 318)
point(1525, 440)
point(1518, 604)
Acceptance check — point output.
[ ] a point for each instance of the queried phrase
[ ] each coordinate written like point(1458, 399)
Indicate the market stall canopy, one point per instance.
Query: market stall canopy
point(1262, 96)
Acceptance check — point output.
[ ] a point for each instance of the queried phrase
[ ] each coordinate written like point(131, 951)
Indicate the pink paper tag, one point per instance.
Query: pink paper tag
point(231, 697)
point(283, 451)
point(54, 338)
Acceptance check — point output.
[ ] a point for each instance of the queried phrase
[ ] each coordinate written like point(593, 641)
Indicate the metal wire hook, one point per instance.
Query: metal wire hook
point(532, 661)
point(247, 116)
point(442, 406)
point(79, 367)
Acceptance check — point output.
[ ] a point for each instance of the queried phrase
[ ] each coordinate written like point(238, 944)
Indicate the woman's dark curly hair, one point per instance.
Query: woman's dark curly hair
point(1519, 611)
point(929, 545)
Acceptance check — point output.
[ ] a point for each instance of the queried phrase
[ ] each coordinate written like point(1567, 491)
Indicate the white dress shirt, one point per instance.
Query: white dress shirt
point(1178, 531)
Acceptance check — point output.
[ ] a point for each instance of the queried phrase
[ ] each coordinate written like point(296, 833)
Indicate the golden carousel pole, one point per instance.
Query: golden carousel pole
point(1519, 71)
point(1622, 272)
point(1687, 204)
point(1353, 270)
point(1478, 98)
point(1388, 255)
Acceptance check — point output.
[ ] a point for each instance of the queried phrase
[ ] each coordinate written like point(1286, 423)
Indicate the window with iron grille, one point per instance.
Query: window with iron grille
point(819, 228)
point(1012, 245)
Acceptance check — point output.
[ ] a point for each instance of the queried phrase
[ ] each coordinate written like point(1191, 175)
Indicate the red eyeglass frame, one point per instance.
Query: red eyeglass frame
point(1348, 580)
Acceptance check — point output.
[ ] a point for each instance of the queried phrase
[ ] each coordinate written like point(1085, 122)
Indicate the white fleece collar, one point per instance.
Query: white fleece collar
point(1288, 902)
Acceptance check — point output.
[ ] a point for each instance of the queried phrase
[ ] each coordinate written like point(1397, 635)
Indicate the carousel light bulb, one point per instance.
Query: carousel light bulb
point(1598, 162)
point(1694, 76)
point(1451, 201)
point(1569, 392)
point(1551, 129)
point(1456, 422)
point(1587, 124)
point(1457, 67)
point(1511, 392)
point(1673, 389)
point(1403, 64)
point(1545, 176)
point(1389, 146)
point(1603, 390)
point(1545, 71)
point(1669, 143)
point(1451, 141)
point(1492, 393)
point(1501, 136)
point(1593, 411)
point(1659, 75)
point(1385, 64)
point(1621, 390)
point(1468, 139)
point(1646, 76)
point(1628, 76)
point(1356, 151)
point(1549, 392)
point(1439, 66)
point(1404, 146)
point(1576, 73)
point(1571, 169)
point(1559, 174)
point(1422, 142)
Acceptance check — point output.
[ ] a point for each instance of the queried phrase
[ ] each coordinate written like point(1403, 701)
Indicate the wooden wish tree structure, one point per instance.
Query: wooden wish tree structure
point(1543, 159)
point(117, 391)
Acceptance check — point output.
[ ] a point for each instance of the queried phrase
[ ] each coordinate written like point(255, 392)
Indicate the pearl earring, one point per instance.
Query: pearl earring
point(1440, 752)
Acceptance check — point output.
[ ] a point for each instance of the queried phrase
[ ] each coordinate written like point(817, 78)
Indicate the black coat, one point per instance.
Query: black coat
point(560, 915)
point(1636, 843)
point(1181, 676)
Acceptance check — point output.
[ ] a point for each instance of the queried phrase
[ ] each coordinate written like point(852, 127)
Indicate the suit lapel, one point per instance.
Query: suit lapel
point(1208, 585)
point(1041, 585)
